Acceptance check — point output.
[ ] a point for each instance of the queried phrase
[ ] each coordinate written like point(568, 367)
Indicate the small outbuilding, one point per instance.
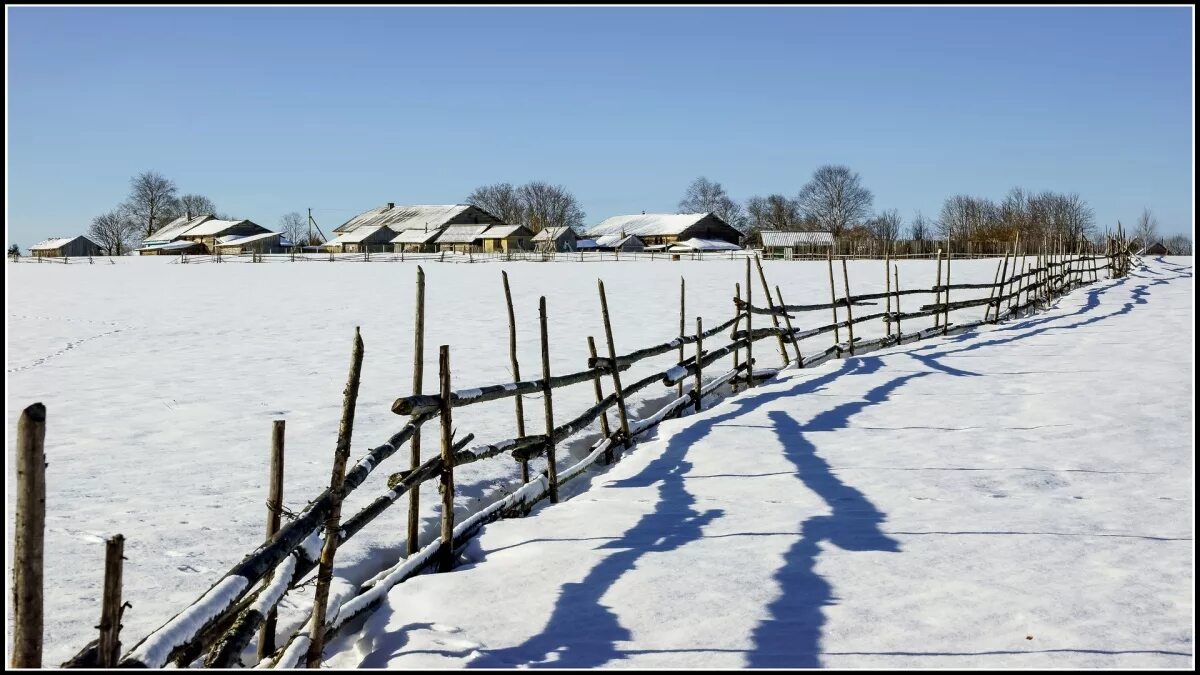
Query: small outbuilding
point(366, 239)
point(266, 242)
point(695, 245)
point(63, 247)
point(505, 238)
point(461, 238)
point(556, 239)
point(778, 244)
point(656, 229)
point(416, 240)
point(1157, 248)
point(618, 242)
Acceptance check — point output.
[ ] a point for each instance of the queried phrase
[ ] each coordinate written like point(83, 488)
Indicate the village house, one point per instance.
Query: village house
point(416, 241)
point(401, 218)
point(778, 244)
point(366, 239)
point(201, 234)
point(659, 230)
point(66, 247)
point(265, 242)
point(556, 239)
point(1156, 248)
point(505, 238)
point(461, 238)
point(613, 242)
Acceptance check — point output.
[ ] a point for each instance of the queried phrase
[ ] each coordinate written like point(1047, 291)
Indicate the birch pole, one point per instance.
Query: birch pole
point(29, 542)
point(414, 495)
point(616, 372)
point(516, 368)
point(849, 311)
point(548, 401)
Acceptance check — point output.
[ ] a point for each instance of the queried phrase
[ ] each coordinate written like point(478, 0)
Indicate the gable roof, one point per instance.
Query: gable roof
point(400, 217)
point(177, 228)
point(647, 224)
point(359, 235)
point(213, 226)
point(59, 242)
point(695, 244)
point(416, 236)
point(504, 231)
point(614, 240)
point(461, 234)
point(555, 233)
point(785, 239)
point(242, 241)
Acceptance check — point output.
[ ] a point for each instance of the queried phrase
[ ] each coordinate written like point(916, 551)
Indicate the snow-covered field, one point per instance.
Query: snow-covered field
point(161, 381)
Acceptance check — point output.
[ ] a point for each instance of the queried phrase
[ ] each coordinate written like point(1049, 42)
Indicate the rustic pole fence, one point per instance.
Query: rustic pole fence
point(937, 288)
point(737, 320)
point(771, 305)
point(832, 300)
point(699, 355)
point(791, 331)
point(849, 304)
point(29, 544)
point(604, 428)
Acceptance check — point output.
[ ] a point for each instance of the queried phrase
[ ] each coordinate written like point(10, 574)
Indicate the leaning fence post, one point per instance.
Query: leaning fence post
point(899, 333)
point(946, 297)
point(682, 328)
point(749, 328)
point(604, 428)
point(771, 305)
point(266, 637)
point(110, 607)
point(937, 291)
point(699, 355)
point(516, 367)
point(446, 552)
point(29, 542)
point(414, 495)
point(887, 283)
point(616, 372)
point(833, 300)
point(791, 331)
point(737, 321)
point(551, 467)
point(849, 312)
point(337, 491)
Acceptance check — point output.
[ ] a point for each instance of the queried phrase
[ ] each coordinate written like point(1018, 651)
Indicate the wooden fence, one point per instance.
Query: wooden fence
point(220, 625)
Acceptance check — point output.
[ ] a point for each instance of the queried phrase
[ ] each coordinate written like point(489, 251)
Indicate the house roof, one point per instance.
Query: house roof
point(780, 238)
point(613, 240)
point(177, 228)
point(169, 246)
point(503, 231)
point(242, 241)
point(417, 236)
point(357, 236)
point(213, 226)
point(400, 217)
point(647, 224)
point(706, 245)
point(461, 234)
point(548, 233)
point(53, 243)
point(585, 243)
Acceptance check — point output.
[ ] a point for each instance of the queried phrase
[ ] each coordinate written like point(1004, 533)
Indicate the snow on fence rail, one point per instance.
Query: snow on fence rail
point(220, 625)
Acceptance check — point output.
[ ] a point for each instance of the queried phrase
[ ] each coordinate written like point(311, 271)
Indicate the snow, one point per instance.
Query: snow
point(158, 422)
point(695, 244)
point(646, 224)
point(416, 236)
point(236, 241)
point(772, 238)
point(405, 217)
point(51, 244)
point(965, 502)
point(154, 652)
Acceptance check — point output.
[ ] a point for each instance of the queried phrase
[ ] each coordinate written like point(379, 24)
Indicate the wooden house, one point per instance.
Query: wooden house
point(778, 244)
point(66, 247)
point(265, 242)
point(201, 234)
point(505, 238)
point(404, 217)
point(416, 240)
point(552, 239)
point(656, 230)
point(618, 242)
point(213, 231)
point(371, 238)
point(461, 238)
point(1156, 248)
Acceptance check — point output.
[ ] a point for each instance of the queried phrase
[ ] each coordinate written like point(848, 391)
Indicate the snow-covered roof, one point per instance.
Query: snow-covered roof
point(170, 246)
point(780, 238)
point(614, 240)
point(212, 227)
point(501, 231)
point(647, 224)
point(585, 243)
point(461, 234)
point(400, 217)
point(51, 244)
point(417, 236)
point(357, 236)
point(549, 233)
point(695, 244)
point(242, 241)
point(177, 228)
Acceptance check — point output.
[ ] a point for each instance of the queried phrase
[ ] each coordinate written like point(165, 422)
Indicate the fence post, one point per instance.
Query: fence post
point(547, 399)
point(414, 495)
point(446, 552)
point(737, 321)
point(946, 298)
point(29, 542)
point(699, 355)
point(833, 300)
point(791, 331)
point(937, 290)
point(110, 606)
point(771, 305)
point(266, 636)
point(849, 312)
point(516, 367)
point(887, 283)
point(682, 327)
point(992, 291)
point(749, 328)
point(899, 333)
point(337, 491)
point(604, 428)
point(616, 372)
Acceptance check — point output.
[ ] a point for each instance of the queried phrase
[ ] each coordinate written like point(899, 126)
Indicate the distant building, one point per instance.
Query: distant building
point(786, 245)
point(416, 241)
point(556, 239)
point(201, 234)
point(695, 245)
point(401, 218)
point(461, 238)
point(659, 230)
point(1157, 248)
point(505, 238)
point(366, 239)
point(66, 247)
point(625, 243)
point(265, 242)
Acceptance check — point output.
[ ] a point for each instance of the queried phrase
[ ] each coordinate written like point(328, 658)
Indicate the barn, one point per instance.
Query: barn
point(461, 238)
point(551, 239)
point(265, 242)
point(777, 244)
point(201, 234)
point(366, 239)
point(404, 217)
point(616, 242)
point(62, 247)
point(505, 238)
point(1157, 248)
point(416, 240)
point(658, 230)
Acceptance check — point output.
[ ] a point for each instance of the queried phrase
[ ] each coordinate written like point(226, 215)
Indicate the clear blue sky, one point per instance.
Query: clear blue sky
point(270, 110)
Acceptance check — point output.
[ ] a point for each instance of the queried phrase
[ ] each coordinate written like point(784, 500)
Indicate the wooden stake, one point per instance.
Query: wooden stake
point(548, 400)
point(887, 284)
point(791, 331)
point(110, 605)
point(446, 552)
point(946, 299)
point(337, 491)
point(749, 329)
point(604, 429)
point(616, 374)
point(682, 327)
point(833, 299)
point(266, 636)
point(849, 311)
point(737, 320)
point(771, 305)
point(516, 368)
point(937, 289)
point(699, 355)
point(899, 334)
point(992, 290)
point(30, 536)
point(414, 460)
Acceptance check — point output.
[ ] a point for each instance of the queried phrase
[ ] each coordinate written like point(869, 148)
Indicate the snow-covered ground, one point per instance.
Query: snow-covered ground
point(1017, 497)
point(161, 381)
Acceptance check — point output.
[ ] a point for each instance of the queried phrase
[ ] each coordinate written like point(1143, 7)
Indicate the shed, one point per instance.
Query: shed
point(416, 240)
point(460, 238)
point(371, 238)
point(786, 245)
point(265, 242)
point(61, 247)
point(552, 239)
point(654, 229)
point(617, 242)
point(505, 238)
point(1157, 248)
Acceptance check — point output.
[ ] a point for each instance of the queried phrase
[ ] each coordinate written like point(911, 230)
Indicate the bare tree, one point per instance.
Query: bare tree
point(114, 231)
point(835, 199)
point(919, 229)
point(885, 227)
point(966, 218)
point(1146, 229)
point(295, 228)
point(773, 212)
point(196, 205)
point(502, 200)
point(549, 206)
point(151, 201)
point(1179, 244)
point(705, 196)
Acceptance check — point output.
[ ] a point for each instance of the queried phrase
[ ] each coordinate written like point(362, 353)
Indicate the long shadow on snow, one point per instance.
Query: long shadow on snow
point(582, 632)
point(791, 637)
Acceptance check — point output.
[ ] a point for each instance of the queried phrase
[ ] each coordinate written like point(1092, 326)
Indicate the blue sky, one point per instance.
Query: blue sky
point(270, 110)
